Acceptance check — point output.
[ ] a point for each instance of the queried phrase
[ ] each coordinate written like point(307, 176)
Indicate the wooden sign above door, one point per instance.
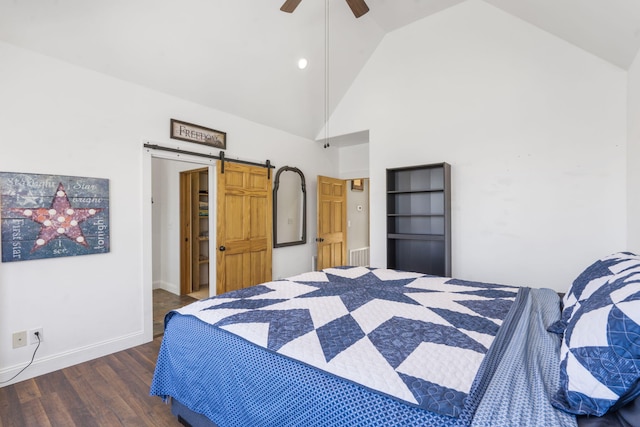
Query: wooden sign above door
point(200, 135)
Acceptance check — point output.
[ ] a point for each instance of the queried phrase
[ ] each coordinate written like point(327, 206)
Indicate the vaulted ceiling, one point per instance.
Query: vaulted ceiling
point(240, 56)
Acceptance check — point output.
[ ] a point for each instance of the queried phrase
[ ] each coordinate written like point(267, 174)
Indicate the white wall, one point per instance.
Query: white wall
point(633, 158)
point(534, 128)
point(353, 161)
point(61, 119)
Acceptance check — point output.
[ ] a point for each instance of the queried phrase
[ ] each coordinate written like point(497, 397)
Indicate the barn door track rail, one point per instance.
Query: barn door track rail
point(267, 164)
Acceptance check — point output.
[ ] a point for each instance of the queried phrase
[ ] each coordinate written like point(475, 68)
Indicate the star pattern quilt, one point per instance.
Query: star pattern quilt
point(424, 337)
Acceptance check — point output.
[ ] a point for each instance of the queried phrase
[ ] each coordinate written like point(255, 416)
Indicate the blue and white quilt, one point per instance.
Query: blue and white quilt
point(417, 338)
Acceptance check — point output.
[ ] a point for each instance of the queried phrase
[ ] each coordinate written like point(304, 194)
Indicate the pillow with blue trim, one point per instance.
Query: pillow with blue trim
point(590, 280)
point(600, 353)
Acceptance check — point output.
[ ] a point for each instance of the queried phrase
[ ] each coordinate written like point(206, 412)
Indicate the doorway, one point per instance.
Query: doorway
point(343, 222)
point(166, 219)
point(163, 272)
point(194, 233)
point(358, 222)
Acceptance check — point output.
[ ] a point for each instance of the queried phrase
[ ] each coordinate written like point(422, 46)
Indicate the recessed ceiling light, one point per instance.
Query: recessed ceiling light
point(302, 63)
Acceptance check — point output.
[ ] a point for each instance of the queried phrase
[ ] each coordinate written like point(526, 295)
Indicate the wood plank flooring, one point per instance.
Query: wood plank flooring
point(163, 302)
point(110, 391)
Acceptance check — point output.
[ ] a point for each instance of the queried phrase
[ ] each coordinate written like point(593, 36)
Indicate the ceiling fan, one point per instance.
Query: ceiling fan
point(358, 7)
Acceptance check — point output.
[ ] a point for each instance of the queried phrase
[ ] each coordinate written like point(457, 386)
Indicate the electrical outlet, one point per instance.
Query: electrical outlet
point(33, 339)
point(19, 339)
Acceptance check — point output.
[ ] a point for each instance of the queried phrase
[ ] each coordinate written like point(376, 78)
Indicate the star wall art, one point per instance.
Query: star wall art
point(50, 216)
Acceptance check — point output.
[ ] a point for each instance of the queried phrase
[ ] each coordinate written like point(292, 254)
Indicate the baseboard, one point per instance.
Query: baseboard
point(169, 287)
point(65, 359)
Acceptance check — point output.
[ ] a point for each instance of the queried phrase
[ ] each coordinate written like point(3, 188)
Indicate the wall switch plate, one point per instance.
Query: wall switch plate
point(19, 339)
point(32, 336)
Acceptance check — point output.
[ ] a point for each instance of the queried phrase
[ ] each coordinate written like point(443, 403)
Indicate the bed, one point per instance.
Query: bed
point(357, 346)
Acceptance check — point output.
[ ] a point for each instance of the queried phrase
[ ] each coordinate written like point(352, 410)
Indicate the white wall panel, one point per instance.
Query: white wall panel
point(533, 127)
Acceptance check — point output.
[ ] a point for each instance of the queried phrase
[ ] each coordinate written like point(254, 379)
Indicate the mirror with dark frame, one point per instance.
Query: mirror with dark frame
point(289, 208)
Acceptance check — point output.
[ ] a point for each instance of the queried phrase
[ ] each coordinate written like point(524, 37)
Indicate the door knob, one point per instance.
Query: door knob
point(319, 239)
point(222, 248)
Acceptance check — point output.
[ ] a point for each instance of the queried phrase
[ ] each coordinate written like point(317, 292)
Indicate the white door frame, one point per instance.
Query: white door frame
point(147, 231)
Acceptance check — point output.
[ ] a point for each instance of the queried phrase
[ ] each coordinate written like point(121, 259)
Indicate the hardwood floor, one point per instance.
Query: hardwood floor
point(110, 391)
point(163, 302)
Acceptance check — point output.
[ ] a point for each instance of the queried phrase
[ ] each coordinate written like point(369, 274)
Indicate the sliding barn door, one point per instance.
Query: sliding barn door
point(244, 226)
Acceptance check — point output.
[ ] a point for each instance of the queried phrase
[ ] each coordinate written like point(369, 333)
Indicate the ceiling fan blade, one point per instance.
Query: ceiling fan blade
point(290, 5)
point(358, 7)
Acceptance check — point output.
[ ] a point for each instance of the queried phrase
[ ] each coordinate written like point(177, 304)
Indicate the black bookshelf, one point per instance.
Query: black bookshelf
point(419, 219)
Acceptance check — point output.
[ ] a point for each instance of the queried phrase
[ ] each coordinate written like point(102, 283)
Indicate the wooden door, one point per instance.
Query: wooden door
point(244, 227)
point(186, 223)
point(194, 240)
point(332, 222)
